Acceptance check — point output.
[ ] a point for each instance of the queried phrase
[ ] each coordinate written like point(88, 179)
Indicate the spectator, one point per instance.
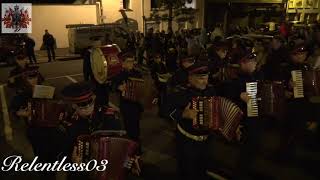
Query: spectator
point(49, 43)
point(30, 49)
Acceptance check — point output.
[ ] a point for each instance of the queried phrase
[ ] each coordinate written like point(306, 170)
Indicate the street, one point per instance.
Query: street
point(157, 135)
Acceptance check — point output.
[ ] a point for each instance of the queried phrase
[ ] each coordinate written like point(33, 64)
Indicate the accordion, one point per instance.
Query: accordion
point(46, 113)
point(111, 146)
point(307, 83)
point(266, 99)
point(217, 114)
point(134, 89)
point(229, 72)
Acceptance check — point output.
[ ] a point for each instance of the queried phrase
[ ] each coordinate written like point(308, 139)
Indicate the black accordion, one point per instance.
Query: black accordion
point(217, 114)
point(307, 83)
point(267, 98)
point(111, 146)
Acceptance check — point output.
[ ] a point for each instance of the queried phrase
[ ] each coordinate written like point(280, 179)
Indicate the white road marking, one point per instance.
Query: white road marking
point(58, 77)
point(5, 113)
point(71, 79)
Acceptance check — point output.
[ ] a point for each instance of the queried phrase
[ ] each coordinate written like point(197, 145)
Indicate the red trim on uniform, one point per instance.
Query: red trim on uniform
point(204, 68)
point(81, 98)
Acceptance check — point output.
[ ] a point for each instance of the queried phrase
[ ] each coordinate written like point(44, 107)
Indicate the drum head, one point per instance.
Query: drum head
point(99, 65)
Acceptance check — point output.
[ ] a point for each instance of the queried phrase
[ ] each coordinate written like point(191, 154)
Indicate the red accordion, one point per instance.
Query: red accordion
point(111, 146)
point(46, 113)
point(217, 114)
point(134, 89)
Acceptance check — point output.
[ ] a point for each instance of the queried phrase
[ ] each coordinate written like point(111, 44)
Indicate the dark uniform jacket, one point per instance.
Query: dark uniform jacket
point(232, 89)
point(274, 67)
point(179, 100)
point(20, 101)
point(180, 77)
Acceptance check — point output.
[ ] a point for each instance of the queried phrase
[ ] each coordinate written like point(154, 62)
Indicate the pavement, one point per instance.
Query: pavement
point(62, 54)
point(158, 140)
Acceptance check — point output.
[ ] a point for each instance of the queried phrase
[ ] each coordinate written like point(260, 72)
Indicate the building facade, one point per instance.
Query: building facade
point(306, 11)
point(140, 10)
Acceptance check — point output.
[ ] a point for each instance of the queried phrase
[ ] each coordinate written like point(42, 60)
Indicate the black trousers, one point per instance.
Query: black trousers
point(191, 158)
point(47, 145)
point(251, 137)
point(131, 113)
point(50, 52)
point(140, 56)
point(31, 56)
point(294, 125)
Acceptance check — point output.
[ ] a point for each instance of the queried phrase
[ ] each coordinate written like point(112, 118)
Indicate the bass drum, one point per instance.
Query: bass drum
point(105, 62)
point(99, 65)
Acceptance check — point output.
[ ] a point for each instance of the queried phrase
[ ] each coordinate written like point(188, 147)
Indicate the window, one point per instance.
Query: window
point(155, 4)
point(191, 4)
point(125, 4)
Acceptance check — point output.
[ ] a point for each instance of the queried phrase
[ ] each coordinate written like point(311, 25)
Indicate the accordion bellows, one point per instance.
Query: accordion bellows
point(307, 83)
point(134, 89)
point(267, 98)
point(46, 113)
point(116, 150)
point(217, 114)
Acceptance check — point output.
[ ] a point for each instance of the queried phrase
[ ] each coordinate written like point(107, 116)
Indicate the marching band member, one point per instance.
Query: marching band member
point(180, 77)
point(15, 79)
point(85, 118)
point(191, 144)
point(45, 140)
point(299, 110)
point(131, 111)
point(252, 126)
point(276, 59)
point(159, 68)
point(217, 54)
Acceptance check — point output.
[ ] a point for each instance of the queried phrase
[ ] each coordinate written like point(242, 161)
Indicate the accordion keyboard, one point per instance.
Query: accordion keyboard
point(252, 105)
point(298, 90)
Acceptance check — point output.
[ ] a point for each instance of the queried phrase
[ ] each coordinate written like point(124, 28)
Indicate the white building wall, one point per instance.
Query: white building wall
point(56, 17)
